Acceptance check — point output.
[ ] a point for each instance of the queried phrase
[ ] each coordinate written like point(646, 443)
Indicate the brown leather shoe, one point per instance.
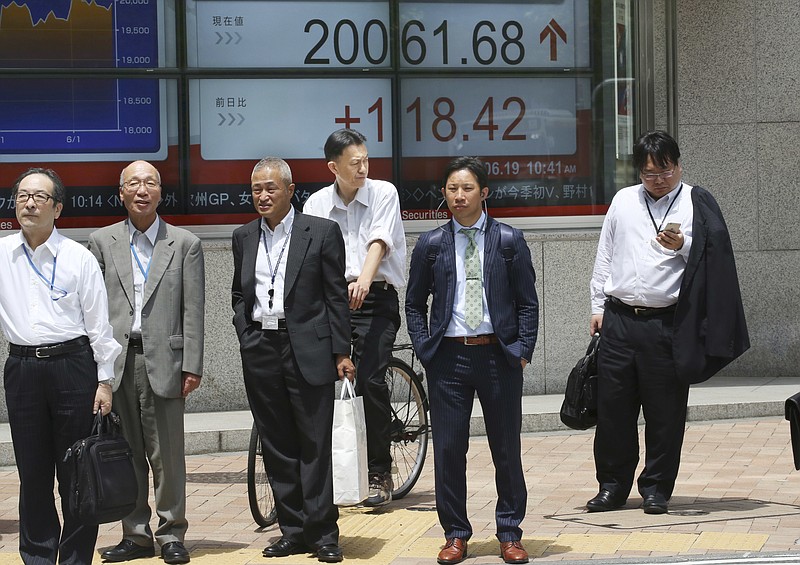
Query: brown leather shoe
point(454, 551)
point(513, 552)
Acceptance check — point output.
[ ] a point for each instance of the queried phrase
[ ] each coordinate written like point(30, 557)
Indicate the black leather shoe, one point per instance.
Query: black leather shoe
point(174, 552)
point(604, 502)
point(329, 553)
point(127, 550)
point(282, 548)
point(655, 504)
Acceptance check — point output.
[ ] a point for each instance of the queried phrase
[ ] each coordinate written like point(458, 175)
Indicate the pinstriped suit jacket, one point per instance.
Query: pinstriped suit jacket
point(510, 292)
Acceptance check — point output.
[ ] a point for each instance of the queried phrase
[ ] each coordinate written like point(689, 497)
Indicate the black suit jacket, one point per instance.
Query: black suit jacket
point(510, 292)
point(314, 294)
point(709, 329)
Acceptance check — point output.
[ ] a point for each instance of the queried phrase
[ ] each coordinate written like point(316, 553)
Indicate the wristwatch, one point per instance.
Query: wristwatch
point(109, 382)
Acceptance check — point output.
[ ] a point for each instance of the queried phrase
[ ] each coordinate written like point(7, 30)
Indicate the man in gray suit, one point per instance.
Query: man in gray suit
point(291, 315)
point(155, 278)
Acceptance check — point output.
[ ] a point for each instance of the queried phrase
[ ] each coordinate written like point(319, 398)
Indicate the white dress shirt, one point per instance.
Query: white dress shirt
point(373, 215)
point(630, 264)
point(458, 326)
point(30, 316)
point(272, 243)
point(143, 244)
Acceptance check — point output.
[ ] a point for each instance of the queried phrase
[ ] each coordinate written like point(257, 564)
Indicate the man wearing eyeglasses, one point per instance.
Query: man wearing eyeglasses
point(155, 277)
point(54, 313)
point(665, 299)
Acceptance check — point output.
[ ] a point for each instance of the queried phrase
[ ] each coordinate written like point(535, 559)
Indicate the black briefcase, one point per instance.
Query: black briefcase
point(792, 408)
point(103, 484)
point(579, 409)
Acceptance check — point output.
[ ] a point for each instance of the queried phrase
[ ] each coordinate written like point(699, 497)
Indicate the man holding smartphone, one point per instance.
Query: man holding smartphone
point(663, 245)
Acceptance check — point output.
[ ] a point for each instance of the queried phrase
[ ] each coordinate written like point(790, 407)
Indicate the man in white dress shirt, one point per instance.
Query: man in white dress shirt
point(368, 213)
point(54, 313)
point(660, 330)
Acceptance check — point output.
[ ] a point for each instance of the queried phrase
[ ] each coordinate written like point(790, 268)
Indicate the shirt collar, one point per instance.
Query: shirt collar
point(150, 233)
point(285, 224)
point(666, 198)
point(480, 224)
point(52, 244)
point(362, 196)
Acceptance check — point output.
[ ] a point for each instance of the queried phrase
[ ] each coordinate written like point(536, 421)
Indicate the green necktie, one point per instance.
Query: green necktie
point(473, 295)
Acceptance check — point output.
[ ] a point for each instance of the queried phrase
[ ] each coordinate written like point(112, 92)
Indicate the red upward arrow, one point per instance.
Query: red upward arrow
point(554, 31)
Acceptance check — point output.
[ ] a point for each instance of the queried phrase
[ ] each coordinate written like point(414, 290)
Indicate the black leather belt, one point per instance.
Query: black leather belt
point(641, 310)
point(485, 339)
point(281, 326)
point(135, 341)
point(47, 351)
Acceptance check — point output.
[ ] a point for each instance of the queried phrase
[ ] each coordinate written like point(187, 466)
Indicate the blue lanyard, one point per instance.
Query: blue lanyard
point(144, 271)
point(54, 290)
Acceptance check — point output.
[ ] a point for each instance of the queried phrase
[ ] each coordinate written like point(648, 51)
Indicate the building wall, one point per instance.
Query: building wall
point(739, 130)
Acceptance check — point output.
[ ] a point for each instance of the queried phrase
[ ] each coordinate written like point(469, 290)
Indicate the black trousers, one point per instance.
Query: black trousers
point(375, 327)
point(636, 370)
point(295, 421)
point(456, 373)
point(50, 408)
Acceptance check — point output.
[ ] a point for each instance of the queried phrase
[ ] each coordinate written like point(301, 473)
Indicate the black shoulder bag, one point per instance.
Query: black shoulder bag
point(579, 409)
point(103, 484)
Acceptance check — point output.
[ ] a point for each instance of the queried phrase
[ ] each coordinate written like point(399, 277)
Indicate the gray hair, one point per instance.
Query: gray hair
point(277, 164)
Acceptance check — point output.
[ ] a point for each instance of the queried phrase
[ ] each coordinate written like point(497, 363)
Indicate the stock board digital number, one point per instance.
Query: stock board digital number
point(444, 127)
point(349, 121)
point(346, 41)
point(485, 43)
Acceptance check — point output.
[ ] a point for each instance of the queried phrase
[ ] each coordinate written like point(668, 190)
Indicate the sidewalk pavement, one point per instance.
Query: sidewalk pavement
point(737, 494)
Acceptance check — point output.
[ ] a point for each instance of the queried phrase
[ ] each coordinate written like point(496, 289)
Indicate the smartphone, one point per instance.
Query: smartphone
point(673, 227)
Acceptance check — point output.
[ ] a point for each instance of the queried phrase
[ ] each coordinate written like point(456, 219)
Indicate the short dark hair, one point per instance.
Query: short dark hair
point(340, 140)
point(59, 192)
point(472, 164)
point(659, 146)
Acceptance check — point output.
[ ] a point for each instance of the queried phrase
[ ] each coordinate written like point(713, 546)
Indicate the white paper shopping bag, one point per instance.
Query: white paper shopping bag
point(350, 474)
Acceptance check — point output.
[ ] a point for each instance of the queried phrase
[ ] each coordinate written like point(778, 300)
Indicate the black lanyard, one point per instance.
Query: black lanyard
point(273, 272)
point(652, 219)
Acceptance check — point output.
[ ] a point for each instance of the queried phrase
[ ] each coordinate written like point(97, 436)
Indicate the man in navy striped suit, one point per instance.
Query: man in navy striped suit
point(484, 319)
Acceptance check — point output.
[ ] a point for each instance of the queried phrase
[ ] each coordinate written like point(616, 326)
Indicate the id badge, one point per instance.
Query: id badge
point(269, 322)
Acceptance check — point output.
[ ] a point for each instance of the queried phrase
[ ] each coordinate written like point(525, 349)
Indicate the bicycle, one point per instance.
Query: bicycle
point(408, 435)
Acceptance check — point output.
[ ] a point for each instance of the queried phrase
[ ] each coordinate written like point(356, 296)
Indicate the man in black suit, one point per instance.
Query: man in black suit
point(664, 246)
point(292, 318)
point(484, 318)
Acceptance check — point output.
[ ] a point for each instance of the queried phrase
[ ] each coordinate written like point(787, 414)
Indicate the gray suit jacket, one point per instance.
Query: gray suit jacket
point(174, 302)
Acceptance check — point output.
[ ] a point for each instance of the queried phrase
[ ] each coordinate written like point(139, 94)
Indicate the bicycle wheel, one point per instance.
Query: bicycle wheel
point(259, 492)
point(409, 426)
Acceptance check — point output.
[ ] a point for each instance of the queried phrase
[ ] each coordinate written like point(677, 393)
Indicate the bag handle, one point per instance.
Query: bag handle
point(591, 351)
point(347, 389)
point(105, 425)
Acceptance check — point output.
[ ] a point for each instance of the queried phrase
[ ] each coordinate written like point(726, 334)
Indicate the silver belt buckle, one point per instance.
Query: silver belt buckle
point(466, 341)
point(639, 311)
point(41, 352)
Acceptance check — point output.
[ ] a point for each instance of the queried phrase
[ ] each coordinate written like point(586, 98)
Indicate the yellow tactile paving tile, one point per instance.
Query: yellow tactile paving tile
point(653, 541)
point(591, 543)
point(730, 541)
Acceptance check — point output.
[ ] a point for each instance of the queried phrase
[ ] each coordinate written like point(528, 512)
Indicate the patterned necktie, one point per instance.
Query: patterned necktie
point(473, 295)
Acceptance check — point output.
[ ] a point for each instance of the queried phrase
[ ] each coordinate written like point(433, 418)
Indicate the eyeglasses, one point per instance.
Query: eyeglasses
point(650, 177)
point(38, 197)
point(135, 184)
